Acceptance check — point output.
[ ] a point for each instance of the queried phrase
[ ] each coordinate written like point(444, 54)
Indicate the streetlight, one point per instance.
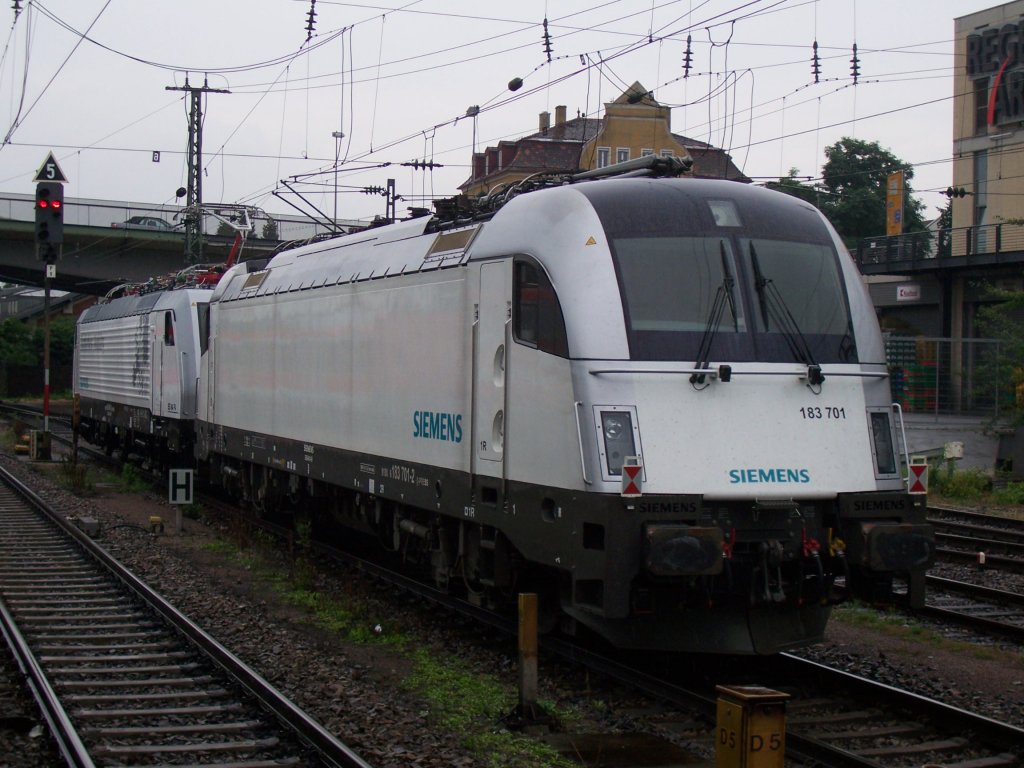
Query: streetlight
point(338, 136)
point(473, 111)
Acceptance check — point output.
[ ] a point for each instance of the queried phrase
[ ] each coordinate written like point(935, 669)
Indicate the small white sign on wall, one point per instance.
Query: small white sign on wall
point(908, 292)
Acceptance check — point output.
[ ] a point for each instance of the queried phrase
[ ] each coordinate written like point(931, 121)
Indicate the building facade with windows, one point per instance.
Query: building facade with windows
point(930, 289)
point(634, 125)
point(988, 117)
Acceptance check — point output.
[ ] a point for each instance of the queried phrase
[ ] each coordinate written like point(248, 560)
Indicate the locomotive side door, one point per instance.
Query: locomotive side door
point(169, 368)
point(490, 337)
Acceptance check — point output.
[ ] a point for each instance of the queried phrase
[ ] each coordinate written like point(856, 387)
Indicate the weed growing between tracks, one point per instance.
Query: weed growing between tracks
point(82, 479)
point(75, 477)
point(895, 624)
point(474, 706)
point(975, 487)
point(9, 438)
point(467, 703)
point(132, 480)
point(1011, 495)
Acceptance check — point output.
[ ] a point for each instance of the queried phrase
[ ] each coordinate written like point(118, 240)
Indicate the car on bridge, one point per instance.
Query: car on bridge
point(145, 222)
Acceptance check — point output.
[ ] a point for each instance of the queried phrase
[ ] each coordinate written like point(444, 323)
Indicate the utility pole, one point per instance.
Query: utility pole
point(194, 200)
point(390, 197)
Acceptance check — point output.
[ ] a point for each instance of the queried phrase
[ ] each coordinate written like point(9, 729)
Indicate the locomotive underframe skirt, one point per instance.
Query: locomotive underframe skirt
point(578, 533)
point(97, 414)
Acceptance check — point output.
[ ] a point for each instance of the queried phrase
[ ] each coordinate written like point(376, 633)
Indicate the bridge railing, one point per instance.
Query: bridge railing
point(973, 244)
point(106, 214)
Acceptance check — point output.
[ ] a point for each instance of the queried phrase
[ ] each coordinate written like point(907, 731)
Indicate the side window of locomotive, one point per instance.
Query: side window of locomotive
point(203, 313)
point(169, 328)
point(537, 315)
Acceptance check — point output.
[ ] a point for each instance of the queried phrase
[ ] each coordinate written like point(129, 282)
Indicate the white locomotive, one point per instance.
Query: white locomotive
point(662, 404)
point(135, 372)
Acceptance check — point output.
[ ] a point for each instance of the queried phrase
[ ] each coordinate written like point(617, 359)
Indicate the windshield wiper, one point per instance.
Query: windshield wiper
point(724, 295)
point(774, 309)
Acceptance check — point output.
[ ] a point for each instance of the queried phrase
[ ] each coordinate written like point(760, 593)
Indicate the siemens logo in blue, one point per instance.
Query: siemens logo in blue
point(770, 475)
point(432, 425)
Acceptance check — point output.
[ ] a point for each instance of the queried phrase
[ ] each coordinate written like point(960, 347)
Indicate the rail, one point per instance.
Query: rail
point(327, 746)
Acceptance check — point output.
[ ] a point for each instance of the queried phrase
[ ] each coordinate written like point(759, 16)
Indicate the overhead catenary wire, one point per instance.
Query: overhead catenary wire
point(378, 144)
point(22, 114)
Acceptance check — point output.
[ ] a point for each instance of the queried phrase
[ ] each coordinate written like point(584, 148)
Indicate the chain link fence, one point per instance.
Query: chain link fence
point(970, 377)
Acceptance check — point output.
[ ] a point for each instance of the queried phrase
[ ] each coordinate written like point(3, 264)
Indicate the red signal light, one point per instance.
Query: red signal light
point(56, 204)
point(44, 204)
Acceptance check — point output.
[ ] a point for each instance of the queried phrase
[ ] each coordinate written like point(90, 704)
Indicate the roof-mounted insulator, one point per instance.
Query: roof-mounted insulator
point(547, 40)
point(815, 62)
point(688, 57)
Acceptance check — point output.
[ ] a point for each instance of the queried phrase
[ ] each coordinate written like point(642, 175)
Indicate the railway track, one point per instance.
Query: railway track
point(121, 677)
point(963, 536)
point(993, 611)
point(840, 719)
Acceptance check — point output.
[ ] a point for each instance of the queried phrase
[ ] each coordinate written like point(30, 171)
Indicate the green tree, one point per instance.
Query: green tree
point(855, 175)
point(22, 344)
point(945, 224)
point(270, 230)
point(62, 340)
point(1004, 373)
point(946, 216)
point(17, 345)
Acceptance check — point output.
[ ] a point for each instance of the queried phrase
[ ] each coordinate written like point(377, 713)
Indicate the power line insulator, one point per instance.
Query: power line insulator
point(855, 65)
point(17, 9)
point(815, 62)
point(688, 57)
point(311, 20)
point(547, 40)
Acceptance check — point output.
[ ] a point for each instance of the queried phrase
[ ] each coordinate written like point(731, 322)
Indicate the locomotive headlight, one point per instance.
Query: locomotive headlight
point(881, 443)
point(617, 427)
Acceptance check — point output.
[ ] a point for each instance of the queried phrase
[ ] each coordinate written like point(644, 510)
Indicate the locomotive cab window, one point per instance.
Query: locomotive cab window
point(537, 315)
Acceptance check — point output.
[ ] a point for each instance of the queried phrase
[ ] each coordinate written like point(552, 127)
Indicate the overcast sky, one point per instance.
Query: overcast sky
point(87, 79)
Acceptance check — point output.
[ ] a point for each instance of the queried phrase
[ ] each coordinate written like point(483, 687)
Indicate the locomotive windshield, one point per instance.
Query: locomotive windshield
point(769, 257)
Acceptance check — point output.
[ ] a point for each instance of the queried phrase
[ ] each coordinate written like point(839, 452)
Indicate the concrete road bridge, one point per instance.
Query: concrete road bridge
point(100, 252)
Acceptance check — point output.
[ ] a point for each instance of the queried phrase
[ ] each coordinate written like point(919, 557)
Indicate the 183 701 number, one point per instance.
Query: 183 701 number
point(824, 413)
